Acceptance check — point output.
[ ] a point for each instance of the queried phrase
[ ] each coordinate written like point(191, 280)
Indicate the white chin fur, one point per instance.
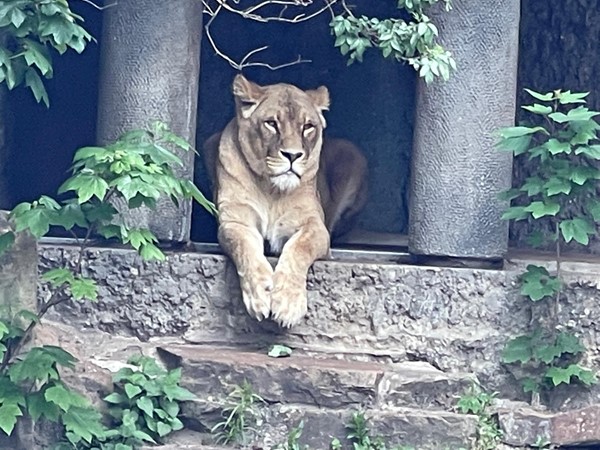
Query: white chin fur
point(286, 182)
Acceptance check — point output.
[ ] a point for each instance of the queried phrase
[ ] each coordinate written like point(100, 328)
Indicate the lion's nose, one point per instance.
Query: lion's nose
point(292, 156)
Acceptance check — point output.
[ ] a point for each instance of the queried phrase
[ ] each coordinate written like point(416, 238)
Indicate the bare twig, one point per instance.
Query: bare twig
point(98, 7)
point(255, 13)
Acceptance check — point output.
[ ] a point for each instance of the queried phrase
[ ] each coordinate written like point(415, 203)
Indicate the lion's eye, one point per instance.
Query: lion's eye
point(271, 125)
point(308, 128)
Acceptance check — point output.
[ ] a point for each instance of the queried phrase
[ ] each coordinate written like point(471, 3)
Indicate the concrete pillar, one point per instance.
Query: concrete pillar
point(456, 170)
point(150, 68)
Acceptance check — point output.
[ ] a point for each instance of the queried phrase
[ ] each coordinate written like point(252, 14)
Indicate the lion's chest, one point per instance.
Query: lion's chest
point(278, 225)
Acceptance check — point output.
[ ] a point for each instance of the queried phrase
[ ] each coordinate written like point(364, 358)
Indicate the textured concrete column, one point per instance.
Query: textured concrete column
point(149, 71)
point(456, 170)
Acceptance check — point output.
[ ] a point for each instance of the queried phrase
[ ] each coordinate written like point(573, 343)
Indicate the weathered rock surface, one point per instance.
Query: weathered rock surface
point(455, 319)
point(524, 427)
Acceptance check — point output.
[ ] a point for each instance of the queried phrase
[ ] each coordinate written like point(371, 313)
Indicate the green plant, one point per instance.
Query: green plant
point(477, 402)
point(292, 439)
point(31, 385)
point(240, 414)
point(28, 30)
point(138, 170)
point(562, 141)
point(359, 435)
point(413, 41)
point(144, 405)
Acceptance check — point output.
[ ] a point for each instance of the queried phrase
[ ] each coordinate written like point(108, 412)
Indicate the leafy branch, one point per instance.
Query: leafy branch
point(562, 140)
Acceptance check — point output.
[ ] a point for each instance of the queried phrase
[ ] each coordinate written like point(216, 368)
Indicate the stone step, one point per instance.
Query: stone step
point(315, 380)
point(412, 428)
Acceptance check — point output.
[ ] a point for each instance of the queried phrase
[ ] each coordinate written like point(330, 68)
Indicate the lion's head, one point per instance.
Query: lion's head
point(280, 130)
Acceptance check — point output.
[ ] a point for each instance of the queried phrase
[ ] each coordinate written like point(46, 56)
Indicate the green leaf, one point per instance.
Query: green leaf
point(556, 147)
point(64, 398)
point(538, 284)
point(538, 109)
point(542, 209)
point(178, 393)
point(578, 114)
point(533, 186)
point(546, 353)
point(150, 252)
point(132, 390)
point(115, 398)
point(593, 151)
point(543, 97)
point(578, 229)
point(568, 343)
point(279, 351)
point(163, 429)
point(518, 350)
point(530, 385)
point(84, 288)
point(515, 213)
point(593, 208)
point(9, 414)
point(35, 83)
point(84, 422)
point(557, 186)
point(146, 405)
point(58, 277)
point(558, 375)
point(509, 194)
point(513, 132)
point(38, 406)
point(6, 241)
point(567, 97)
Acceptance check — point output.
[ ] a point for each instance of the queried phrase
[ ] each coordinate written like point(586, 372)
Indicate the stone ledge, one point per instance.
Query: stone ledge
point(523, 427)
point(455, 319)
point(320, 381)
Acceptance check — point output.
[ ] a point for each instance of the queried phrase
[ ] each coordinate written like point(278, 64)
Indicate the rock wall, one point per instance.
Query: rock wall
point(454, 319)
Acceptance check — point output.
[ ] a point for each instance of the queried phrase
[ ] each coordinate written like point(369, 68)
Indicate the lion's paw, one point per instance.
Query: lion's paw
point(288, 299)
point(256, 291)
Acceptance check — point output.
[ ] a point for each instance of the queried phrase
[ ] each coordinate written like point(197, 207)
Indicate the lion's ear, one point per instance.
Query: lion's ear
point(247, 95)
point(320, 98)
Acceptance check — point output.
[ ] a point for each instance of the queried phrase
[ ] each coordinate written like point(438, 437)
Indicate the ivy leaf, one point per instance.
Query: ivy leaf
point(178, 393)
point(84, 288)
point(515, 213)
point(556, 147)
point(150, 251)
point(578, 114)
point(509, 195)
point(567, 97)
point(593, 151)
point(533, 186)
point(115, 398)
point(543, 97)
point(542, 209)
point(38, 406)
point(593, 208)
point(568, 343)
point(558, 375)
point(518, 350)
point(530, 385)
point(513, 132)
point(84, 422)
point(35, 83)
point(547, 353)
point(64, 398)
point(9, 414)
point(538, 109)
point(163, 429)
point(279, 351)
point(58, 277)
point(538, 284)
point(557, 186)
point(578, 229)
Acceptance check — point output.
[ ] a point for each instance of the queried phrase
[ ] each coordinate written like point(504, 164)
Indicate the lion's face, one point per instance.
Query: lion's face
point(280, 130)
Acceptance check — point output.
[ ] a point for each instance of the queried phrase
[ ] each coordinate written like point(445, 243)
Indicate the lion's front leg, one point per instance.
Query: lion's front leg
point(289, 296)
point(244, 245)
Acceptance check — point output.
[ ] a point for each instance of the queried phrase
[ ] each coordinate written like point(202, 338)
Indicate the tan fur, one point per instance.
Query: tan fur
point(268, 187)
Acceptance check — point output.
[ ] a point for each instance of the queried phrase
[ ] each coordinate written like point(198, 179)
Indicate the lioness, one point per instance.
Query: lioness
point(268, 187)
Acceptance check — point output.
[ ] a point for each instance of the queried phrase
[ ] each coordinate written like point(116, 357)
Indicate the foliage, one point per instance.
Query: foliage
point(279, 351)
point(478, 402)
point(137, 170)
point(144, 406)
point(359, 435)
point(240, 413)
point(292, 439)
point(31, 385)
point(562, 141)
point(413, 41)
point(29, 30)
